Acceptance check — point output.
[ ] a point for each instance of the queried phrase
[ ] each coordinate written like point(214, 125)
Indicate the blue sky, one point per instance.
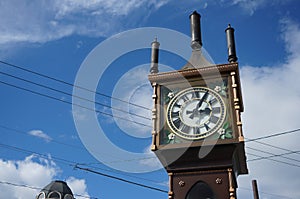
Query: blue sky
point(57, 38)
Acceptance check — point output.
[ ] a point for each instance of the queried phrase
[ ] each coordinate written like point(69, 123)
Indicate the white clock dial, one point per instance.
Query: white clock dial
point(196, 113)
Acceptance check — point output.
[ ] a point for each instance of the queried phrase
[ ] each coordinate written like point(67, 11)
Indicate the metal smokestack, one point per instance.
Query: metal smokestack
point(196, 43)
point(154, 56)
point(231, 44)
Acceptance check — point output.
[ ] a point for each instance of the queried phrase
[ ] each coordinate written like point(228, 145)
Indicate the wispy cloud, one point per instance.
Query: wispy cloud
point(253, 5)
point(42, 21)
point(40, 134)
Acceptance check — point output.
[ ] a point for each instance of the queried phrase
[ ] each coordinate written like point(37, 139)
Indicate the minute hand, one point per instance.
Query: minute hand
point(199, 104)
point(202, 100)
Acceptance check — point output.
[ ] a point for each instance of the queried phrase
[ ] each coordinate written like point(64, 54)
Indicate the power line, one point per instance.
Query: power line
point(121, 179)
point(38, 188)
point(70, 84)
point(276, 147)
point(273, 135)
point(277, 155)
point(78, 97)
point(78, 105)
point(71, 163)
point(290, 164)
point(272, 154)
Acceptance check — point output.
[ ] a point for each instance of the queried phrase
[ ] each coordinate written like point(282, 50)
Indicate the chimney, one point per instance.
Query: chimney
point(230, 44)
point(154, 56)
point(196, 43)
point(197, 59)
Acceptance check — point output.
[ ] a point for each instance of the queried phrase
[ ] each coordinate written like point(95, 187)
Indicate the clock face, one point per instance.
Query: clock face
point(196, 113)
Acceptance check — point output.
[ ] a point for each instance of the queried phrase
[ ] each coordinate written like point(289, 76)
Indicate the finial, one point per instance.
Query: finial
point(230, 44)
point(154, 56)
point(196, 43)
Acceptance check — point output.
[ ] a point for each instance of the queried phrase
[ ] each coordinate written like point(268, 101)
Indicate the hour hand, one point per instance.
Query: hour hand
point(206, 111)
point(192, 113)
point(189, 112)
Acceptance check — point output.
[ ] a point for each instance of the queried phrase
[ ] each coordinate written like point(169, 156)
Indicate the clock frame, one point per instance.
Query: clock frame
point(224, 76)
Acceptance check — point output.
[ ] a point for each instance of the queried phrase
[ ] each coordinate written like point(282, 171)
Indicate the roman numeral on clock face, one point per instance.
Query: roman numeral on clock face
point(213, 100)
point(196, 130)
point(185, 128)
point(206, 126)
point(177, 123)
point(177, 105)
point(195, 94)
point(216, 110)
point(213, 119)
point(185, 98)
point(175, 114)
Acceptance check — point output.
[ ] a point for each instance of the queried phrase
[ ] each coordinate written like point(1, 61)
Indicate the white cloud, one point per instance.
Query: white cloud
point(42, 21)
point(32, 172)
point(28, 172)
point(249, 6)
point(272, 100)
point(40, 134)
point(78, 187)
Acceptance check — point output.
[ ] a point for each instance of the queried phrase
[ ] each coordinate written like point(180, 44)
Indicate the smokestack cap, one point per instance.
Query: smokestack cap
point(196, 43)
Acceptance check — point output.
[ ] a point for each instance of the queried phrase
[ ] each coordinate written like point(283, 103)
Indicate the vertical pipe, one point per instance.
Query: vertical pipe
point(231, 185)
point(195, 31)
point(154, 117)
point(255, 189)
point(230, 44)
point(154, 56)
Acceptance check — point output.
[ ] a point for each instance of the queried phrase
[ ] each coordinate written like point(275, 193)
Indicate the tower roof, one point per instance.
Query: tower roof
point(56, 189)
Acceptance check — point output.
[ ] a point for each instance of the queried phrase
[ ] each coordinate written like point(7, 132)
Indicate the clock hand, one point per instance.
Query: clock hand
point(189, 112)
point(202, 100)
point(207, 111)
point(199, 104)
point(193, 113)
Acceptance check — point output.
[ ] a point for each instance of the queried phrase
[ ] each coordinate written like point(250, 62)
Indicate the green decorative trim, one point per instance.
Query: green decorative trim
point(171, 138)
point(220, 87)
point(167, 94)
point(226, 132)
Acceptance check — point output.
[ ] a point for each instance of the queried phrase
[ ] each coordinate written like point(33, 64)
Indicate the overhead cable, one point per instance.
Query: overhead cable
point(70, 84)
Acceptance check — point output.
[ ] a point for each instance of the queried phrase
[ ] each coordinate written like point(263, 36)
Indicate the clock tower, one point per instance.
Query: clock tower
point(197, 129)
